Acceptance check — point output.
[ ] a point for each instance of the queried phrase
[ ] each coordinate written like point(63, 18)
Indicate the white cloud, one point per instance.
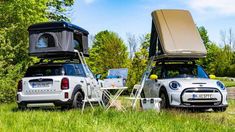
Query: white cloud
point(88, 1)
point(223, 7)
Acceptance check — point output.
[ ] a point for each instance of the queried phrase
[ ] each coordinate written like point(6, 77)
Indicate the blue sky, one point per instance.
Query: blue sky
point(134, 16)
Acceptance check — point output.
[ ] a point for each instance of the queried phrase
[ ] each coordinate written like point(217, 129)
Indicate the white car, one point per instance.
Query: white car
point(182, 84)
point(57, 84)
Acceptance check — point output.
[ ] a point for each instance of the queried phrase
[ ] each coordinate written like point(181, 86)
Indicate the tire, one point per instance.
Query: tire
point(219, 109)
point(78, 100)
point(105, 99)
point(22, 106)
point(164, 104)
point(142, 95)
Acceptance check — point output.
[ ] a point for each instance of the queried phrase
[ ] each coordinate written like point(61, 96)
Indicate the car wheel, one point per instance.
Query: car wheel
point(142, 95)
point(105, 99)
point(22, 106)
point(78, 100)
point(165, 100)
point(220, 109)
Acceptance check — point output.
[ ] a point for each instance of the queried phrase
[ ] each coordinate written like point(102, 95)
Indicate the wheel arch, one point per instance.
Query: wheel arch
point(76, 89)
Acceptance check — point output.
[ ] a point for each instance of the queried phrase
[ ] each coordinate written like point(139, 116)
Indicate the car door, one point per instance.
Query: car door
point(91, 82)
point(151, 86)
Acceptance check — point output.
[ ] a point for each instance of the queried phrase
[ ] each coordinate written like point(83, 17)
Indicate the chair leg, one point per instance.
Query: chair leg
point(83, 105)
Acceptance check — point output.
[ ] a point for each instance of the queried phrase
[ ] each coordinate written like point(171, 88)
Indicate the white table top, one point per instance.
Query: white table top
point(107, 88)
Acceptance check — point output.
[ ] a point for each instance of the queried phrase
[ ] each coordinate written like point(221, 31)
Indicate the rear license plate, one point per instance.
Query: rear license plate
point(41, 84)
point(202, 96)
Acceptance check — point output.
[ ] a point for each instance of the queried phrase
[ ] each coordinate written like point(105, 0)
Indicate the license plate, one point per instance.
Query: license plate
point(202, 96)
point(41, 84)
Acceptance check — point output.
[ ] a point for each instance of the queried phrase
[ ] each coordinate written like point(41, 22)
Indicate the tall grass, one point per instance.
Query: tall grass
point(98, 120)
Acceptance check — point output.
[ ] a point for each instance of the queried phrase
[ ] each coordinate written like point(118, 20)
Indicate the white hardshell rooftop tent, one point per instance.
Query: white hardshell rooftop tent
point(175, 35)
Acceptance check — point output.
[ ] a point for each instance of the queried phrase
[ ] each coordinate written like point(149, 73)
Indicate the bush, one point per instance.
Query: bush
point(7, 91)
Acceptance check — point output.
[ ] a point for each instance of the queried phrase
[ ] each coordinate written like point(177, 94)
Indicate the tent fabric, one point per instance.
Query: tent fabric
point(174, 34)
point(49, 40)
point(63, 42)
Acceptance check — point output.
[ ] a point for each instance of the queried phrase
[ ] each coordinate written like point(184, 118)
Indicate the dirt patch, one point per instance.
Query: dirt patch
point(231, 92)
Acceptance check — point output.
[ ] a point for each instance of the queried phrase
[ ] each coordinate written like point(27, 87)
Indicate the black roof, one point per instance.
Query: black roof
point(56, 25)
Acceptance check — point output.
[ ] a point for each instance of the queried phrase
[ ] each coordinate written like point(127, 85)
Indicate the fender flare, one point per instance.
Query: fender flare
point(76, 89)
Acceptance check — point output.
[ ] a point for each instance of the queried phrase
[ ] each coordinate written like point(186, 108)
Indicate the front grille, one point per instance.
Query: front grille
point(201, 90)
point(201, 101)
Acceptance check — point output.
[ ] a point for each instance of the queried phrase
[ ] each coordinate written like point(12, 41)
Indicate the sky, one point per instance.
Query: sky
point(134, 16)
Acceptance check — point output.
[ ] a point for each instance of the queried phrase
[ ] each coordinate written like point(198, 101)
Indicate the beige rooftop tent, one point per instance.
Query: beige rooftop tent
point(175, 35)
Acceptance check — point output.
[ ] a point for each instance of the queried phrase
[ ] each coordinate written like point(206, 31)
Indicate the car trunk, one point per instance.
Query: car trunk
point(41, 85)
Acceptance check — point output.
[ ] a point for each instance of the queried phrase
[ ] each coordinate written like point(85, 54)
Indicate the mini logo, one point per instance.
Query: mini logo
point(200, 85)
point(40, 79)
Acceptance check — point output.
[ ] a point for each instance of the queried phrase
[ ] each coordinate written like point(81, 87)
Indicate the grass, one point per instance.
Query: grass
point(227, 82)
point(12, 119)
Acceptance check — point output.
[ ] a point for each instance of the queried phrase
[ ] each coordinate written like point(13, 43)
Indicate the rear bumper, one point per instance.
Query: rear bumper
point(56, 99)
point(55, 102)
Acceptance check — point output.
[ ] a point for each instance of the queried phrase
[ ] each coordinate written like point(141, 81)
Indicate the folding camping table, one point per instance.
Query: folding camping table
point(113, 97)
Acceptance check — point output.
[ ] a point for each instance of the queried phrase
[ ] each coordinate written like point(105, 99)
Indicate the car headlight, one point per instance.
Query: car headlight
point(220, 85)
point(174, 85)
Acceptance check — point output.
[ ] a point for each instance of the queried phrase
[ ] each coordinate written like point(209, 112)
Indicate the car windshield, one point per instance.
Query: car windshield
point(182, 71)
point(44, 71)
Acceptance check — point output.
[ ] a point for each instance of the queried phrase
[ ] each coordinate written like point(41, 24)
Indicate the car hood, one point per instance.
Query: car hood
point(194, 82)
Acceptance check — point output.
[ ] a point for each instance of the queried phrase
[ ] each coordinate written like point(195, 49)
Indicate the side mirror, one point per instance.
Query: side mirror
point(212, 76)
point(98, 76)
point(153, 77)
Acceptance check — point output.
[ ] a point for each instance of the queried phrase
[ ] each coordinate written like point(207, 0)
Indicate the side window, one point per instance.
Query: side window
point(157, 70)
point(89, 71)
point(70, 69)
point(79, 70)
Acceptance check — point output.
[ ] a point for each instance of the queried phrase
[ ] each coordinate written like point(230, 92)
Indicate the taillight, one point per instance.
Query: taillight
point(19, 87)
point(65, 83)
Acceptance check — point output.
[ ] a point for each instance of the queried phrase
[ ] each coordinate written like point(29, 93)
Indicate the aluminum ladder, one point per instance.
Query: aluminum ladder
point(138, 88)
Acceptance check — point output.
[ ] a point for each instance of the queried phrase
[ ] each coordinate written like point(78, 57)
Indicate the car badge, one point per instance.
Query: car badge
point(40, 79)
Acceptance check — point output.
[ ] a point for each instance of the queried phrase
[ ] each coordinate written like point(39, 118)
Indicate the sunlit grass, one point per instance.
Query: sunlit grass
point(12, 119)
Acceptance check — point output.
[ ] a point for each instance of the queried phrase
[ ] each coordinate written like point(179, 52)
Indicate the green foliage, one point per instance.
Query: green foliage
point(15, 17)
point(139, 63)
point(219, 61)
point(204, 35)
point(108, 51)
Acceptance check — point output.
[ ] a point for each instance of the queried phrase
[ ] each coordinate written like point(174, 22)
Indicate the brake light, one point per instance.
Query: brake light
point(19, 86)
point(65, 83)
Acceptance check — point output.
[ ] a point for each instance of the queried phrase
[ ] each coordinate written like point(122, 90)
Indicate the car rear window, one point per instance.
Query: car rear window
point(44, 71)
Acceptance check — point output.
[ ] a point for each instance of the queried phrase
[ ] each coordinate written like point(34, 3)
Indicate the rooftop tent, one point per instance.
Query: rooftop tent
point(175, 35)
point(57, 39)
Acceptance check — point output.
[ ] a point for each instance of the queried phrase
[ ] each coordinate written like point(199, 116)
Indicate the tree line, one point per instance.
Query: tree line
point(108, 50)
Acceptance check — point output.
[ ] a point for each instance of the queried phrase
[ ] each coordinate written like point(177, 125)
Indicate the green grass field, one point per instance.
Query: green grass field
point(12, 119)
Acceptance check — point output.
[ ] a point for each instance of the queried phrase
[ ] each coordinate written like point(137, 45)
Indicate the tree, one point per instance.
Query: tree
point(108, 51)
point(204, 36)
point(132, 45)
point(139, 62)
point(16, 16)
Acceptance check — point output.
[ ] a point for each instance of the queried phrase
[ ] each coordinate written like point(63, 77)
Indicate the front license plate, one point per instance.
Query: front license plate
point(202, 96)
